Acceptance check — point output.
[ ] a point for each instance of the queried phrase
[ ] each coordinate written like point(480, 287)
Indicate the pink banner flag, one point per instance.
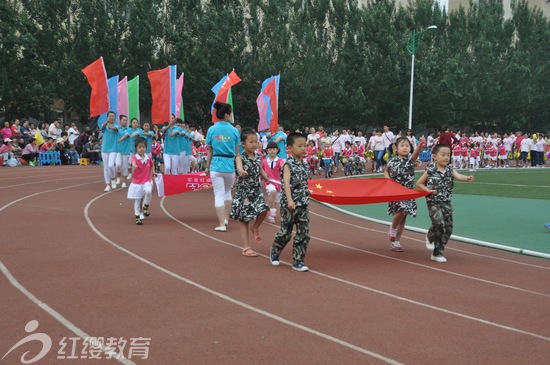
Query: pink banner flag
point(179, 88)
point(123, 104)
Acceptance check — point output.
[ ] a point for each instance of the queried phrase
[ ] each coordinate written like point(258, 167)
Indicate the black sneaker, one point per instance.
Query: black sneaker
point(274, 258)
point(138, 220)
point(146, 210)
point(300, 267)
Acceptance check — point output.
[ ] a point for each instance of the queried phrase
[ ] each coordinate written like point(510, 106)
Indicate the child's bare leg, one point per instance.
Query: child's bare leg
point(401, 226)
point(247, 251)
point(271, 199)
point(255, 229)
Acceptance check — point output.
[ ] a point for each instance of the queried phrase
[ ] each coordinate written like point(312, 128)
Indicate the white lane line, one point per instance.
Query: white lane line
point(454, 237)
point(226, 297)
point(423, 265)
point(429, 306)
point(43, 181)
point(55, 314)
point(52, 312)
point(46, 191)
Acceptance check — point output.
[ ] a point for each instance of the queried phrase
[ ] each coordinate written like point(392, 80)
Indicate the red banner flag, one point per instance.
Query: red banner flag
point(360, 191)
point(97, 78)
point(160, 91)
point(177, 184)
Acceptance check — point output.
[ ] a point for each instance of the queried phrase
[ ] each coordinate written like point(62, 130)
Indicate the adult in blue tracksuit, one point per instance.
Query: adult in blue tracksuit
point(109, 150)
point(222, 140)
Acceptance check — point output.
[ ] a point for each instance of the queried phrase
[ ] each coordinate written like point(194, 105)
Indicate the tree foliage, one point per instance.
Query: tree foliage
point(341, 64)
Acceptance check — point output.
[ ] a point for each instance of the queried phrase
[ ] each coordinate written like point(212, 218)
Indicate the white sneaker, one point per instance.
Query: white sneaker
point(117, 181)
point(129, 177)
point(107, 188)
point(438, 258)
point(123, 185)
point(221, 229)
point(141, 216)
point(396, 246)
point(429, 245)
point(113, 184)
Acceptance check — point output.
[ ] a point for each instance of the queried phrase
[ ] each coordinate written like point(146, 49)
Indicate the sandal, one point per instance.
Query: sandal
point(248, 252)
point(256, 235)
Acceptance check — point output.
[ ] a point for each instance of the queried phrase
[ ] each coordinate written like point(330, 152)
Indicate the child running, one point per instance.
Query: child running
point(248, 202)
point(400, 168)
point(273, 166)
point(294, 205)
point(141, 187)
point(439, 181)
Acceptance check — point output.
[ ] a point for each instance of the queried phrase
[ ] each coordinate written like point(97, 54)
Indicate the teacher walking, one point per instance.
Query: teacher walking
point(222, 140)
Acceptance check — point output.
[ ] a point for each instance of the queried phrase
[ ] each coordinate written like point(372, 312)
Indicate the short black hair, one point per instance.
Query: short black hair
point(437, 147)
point(246, 132)
point(139, 141)
point(292, 137)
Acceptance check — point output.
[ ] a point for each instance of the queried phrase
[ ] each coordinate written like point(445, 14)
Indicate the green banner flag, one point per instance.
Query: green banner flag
point(133, 98)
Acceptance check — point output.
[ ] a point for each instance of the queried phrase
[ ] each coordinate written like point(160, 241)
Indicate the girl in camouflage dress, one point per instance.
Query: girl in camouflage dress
point(400, 168)
point(248, 201)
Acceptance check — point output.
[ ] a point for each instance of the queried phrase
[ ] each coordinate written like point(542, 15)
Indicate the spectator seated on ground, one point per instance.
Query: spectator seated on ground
point(6, 151)
point(48, 145)
point(92, 151)
point(81, 140)
point(15, 148)
point(30, 152)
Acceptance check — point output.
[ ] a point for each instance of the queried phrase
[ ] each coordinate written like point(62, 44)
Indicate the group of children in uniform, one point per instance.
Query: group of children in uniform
point(287, 181)
point(437, 180)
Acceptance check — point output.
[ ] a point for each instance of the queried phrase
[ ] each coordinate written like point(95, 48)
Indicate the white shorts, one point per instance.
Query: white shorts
point(503, 157)
point(138, 191)
point(493, 158)
point(457, 158)
point(472, 160)
point(271, 187)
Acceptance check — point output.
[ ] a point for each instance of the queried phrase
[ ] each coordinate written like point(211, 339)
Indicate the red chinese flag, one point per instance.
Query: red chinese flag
point(361, 191)
point(160, 92)
point(97, 78)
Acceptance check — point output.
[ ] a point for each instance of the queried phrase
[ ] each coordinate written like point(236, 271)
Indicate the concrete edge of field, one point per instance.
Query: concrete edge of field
point(457, 238)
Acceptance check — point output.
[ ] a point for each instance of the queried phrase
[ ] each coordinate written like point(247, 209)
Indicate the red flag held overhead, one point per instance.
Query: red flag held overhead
point(97, 78)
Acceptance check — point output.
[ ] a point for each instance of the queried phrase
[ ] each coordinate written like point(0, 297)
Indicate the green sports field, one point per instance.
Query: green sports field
point(502, 206)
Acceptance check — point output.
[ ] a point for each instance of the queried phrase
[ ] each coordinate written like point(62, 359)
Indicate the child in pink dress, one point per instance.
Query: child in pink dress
point(273, 166)
point(141, 188)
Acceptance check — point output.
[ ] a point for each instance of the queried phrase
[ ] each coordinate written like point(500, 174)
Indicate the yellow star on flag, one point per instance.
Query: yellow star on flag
point(319, 186)
point(330, 191)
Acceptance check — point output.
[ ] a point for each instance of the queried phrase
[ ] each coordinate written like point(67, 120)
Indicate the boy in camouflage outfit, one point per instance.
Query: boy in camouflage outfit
point(439, 181)
point(294, 205)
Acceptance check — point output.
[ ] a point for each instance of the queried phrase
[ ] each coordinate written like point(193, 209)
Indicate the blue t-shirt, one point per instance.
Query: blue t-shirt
point(110, 140)
point(281, 144)
point(131, 132)
point(171, 144)
point(223, 137)
point(124, 146)
point(148, 136)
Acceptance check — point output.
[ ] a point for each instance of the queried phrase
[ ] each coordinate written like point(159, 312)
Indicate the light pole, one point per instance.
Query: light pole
point(412, 44)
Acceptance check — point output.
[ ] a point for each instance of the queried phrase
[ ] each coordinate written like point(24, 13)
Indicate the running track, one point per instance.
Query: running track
point(73, 259)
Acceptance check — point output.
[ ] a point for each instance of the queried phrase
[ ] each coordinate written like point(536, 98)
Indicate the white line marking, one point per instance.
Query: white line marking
point(454, 237)
point(372, 289)
point(65, 322)
point(43, 181)
point(55, 314)
point(226, 297)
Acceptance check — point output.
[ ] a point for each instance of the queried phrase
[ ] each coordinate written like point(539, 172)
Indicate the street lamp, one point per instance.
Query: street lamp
point(412, 44)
